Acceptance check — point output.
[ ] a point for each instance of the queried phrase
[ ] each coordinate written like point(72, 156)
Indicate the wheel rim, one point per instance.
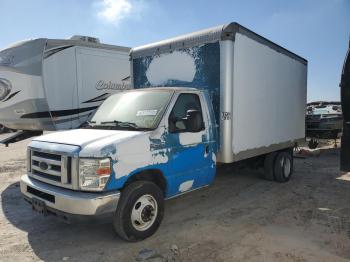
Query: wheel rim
point(286, 165)
point(144, 212)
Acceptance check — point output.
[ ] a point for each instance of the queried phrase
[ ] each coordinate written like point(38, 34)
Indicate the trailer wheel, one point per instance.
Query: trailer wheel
point(140, 211)
point(269, 165)
point(283, 166)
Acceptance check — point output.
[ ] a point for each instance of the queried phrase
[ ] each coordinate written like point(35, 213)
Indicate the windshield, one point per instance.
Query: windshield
point(132, 110)
point(320, 111)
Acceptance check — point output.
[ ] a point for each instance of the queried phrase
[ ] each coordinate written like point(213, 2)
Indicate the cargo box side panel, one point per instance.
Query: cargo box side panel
point(197, 66)
point(269, 99)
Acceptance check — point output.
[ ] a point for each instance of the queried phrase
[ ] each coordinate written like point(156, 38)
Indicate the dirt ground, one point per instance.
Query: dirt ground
point(239, 218)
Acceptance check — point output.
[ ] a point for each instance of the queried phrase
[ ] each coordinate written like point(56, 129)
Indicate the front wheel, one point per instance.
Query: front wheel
point(140, 211)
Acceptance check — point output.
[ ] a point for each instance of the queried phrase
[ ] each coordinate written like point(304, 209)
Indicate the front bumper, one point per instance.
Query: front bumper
point(69, 201)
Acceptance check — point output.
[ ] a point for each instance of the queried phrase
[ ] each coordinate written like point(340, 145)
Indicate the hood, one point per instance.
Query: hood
point(84, 137)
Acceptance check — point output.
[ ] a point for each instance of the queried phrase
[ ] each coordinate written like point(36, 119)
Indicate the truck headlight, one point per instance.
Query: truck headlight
point(94, 173)
point(5, 88)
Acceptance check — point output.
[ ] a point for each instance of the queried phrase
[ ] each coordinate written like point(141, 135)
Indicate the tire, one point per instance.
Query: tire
point(283, 166)
point(313, 143)
point(140, 198)
point(269, 165)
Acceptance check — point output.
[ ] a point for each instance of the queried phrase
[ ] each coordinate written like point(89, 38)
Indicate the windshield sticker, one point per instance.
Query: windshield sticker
point(151, 112)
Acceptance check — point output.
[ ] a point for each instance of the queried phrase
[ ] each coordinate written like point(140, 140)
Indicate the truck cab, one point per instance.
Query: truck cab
point(141, 147)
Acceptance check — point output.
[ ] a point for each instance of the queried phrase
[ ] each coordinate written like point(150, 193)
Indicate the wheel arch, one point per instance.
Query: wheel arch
point(154, 175)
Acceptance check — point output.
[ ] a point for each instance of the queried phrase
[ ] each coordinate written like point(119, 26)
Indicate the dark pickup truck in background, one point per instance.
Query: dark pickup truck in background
point(324, 119)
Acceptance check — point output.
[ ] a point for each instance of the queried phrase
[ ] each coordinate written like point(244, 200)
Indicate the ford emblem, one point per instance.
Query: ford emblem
point(43, 166)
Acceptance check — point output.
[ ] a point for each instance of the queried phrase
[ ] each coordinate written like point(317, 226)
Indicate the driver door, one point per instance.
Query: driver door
point(190, 159)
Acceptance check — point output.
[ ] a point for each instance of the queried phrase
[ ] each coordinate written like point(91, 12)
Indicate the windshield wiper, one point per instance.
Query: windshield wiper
point(120, 123)
point(125, 125)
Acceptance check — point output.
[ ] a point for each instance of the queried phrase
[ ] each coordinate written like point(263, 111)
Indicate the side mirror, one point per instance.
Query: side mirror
point(194, 121)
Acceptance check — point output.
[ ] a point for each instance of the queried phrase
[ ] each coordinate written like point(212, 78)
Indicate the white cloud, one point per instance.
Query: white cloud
point(112, 11)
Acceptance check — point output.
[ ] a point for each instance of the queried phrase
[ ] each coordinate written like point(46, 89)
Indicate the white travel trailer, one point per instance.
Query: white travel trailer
point(51, 84)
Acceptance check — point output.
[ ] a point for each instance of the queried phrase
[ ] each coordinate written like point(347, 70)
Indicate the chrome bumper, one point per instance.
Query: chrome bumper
point(69, 201)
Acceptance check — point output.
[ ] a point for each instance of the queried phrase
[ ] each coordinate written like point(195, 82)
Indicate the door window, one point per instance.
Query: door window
point(186, 115)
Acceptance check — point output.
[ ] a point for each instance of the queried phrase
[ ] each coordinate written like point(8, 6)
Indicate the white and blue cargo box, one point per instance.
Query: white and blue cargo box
point(258, 88)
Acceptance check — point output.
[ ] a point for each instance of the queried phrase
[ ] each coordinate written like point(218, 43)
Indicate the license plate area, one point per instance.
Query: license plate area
point(39, 206)
point(40, 194)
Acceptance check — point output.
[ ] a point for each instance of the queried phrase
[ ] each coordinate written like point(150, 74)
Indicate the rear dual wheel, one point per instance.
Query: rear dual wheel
point(278, 166)
point(283, 167)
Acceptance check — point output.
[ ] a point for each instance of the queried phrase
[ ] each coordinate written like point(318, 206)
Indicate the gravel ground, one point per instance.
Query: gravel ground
point(239, 218)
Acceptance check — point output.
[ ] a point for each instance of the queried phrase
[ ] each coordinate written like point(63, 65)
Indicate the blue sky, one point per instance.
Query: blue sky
point(315, 29)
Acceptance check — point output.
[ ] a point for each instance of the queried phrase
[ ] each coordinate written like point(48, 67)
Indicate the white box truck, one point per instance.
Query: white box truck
point(220, 95)
point(55, 84)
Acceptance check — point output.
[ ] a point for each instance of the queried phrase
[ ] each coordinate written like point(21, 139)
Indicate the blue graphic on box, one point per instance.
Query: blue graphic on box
point(197, 67)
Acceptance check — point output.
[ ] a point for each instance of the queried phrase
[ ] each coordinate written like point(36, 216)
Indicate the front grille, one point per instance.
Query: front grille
point(47, 155)
point(313, 124)
point(313, 117)
point(51, 168)
point(46, 176)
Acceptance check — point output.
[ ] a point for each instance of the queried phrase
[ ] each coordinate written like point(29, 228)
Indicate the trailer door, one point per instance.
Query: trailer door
point(100, 74)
